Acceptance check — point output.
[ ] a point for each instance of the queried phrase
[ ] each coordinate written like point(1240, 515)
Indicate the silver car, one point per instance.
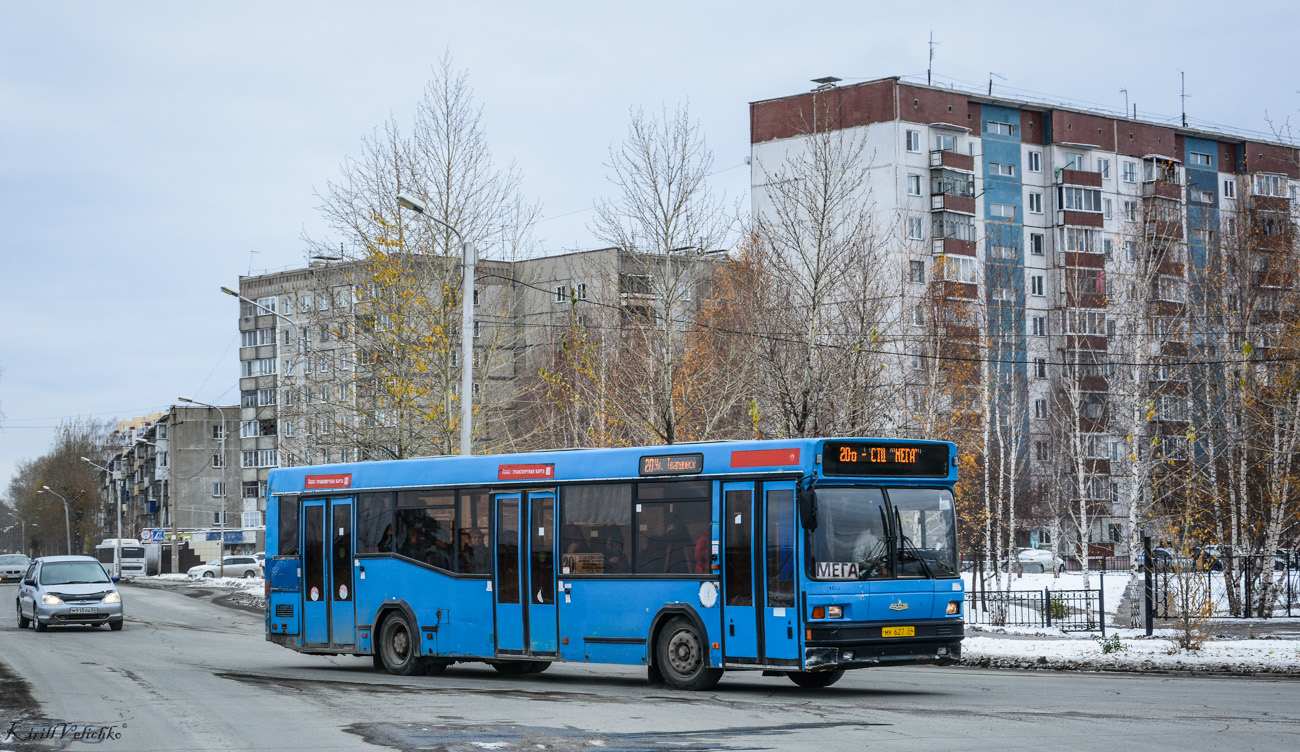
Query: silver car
point(13, 566)
point(67, 590)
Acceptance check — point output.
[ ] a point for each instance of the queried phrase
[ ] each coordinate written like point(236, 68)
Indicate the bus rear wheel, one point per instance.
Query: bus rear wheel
point(815, 679)
point(682, 659)
point(398, 646)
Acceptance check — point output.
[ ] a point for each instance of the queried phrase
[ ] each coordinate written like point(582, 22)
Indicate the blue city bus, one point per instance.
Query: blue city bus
point(801, 557)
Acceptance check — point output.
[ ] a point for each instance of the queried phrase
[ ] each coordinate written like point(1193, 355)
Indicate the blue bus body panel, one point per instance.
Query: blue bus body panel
point(464, 626)
point(603, 624)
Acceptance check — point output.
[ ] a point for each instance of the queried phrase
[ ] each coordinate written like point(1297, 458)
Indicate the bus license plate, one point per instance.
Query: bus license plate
point(898, 631)
point(83, 610)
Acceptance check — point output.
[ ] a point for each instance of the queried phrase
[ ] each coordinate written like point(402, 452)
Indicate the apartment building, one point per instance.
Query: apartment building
point(1041, 218)
point(170, 472)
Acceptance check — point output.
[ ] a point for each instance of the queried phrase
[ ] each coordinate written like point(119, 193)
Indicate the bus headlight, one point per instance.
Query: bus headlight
point(50, 599)
point(834, 612)
point(954, 608)
point(113, 597)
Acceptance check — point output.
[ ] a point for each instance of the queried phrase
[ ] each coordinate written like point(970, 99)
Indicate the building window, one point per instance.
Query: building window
point(1130, 172)
point(1002, 169)
point(560, 296)
point(916, 271)
point(1107, 208)
point(1197, 158)
point(913, 185)
point(1270, 185)
point(914, 141)
point(1200, 196)
point(265, 397)
point(1074, 161)
point(581, 289)
point(1108, 245)
point(1004, 252)
point(1131, 249)
point(1035, 161)
point(248, 429)
point(1035, 203)
point(266, 305)
point(999, 129)
point(1040, 368)
point(915, 228)
point(1002, 211)
point(218, 460)
point(959, 269)
point(1040, 326)
point(1130, 210)
point(1036, 285)
point(945, 142)
point(248, 398)
point(1230, 188)
point(1071, 198)
point(1036, 243)
point(1040, 408)
point(218, 489)
point(218, 432)
point(1103, 166)
point(1040, 450)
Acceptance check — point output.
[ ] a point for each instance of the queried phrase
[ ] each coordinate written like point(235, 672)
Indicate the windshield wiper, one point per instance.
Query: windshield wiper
point(916, 552)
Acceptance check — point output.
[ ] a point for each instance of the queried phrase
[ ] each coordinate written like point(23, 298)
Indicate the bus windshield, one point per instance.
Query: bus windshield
point(873, 533)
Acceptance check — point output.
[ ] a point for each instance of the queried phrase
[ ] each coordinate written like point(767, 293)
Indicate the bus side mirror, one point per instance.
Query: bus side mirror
point(808, 509)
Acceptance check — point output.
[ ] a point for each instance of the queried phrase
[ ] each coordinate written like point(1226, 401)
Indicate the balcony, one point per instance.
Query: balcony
point(1079, 177)
point(940, 158)
point(952, 202)
point(1162, 189)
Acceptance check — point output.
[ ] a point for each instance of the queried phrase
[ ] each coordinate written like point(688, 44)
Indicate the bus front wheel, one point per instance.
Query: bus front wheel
point(682, 657)
point(398, 646)
point(815, 679)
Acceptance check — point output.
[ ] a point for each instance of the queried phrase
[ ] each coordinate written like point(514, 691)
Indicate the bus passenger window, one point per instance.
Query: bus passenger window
point(288, 538)
point(375, 533)
point(668, 537)
point(473, 543)
point(596, 527)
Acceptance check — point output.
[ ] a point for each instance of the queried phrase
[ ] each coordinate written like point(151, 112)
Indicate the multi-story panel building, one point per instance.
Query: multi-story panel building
point(1069, 230)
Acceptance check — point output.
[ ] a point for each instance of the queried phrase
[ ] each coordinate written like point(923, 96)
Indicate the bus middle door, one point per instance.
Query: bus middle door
point(315, 596)
point(742, 617)
point(780, 570)
point(343, 619)
point(508, 612)
point(542, 625)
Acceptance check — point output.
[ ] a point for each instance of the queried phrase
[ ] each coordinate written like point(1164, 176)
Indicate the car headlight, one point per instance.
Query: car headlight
point(50, 599)
point(954, 608)
point(113, 597)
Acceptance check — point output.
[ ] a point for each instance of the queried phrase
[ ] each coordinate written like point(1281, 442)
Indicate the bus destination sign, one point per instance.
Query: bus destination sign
point(672, 464)
point(881, 459)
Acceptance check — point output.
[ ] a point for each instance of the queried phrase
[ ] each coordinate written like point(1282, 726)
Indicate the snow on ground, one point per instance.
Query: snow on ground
point(1115, 583)
point(249, 586)
point(1138, 653)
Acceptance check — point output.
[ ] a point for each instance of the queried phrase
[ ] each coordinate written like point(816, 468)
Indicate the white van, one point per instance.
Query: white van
point(133, 564)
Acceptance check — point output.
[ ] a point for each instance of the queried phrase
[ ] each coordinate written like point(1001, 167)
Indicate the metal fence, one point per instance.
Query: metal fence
point(1173, 591)
point(1067, 610)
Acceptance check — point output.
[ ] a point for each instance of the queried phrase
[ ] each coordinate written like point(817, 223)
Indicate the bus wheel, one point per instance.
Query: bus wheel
point(397, 646)
point(682, 658)
point(815, 679)
point(538, 667)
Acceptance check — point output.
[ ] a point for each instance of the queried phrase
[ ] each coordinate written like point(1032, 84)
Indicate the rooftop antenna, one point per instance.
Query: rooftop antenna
point(1125, 93)
point(1182, 77)
point(251, 254)
point(930, 66)
point(991, 77)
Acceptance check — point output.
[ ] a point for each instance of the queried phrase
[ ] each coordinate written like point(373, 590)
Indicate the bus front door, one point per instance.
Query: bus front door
point(315, 608)
point(508, 612)
point(739, 613)
point(343, 619)
point(780, 615)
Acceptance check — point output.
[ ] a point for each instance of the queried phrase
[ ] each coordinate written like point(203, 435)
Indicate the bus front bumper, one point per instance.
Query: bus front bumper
point(860, 646)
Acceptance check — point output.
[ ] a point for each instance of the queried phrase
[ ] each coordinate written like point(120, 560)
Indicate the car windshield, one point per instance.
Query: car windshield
point(13, 559)
point(72, 573)
point(873, 533)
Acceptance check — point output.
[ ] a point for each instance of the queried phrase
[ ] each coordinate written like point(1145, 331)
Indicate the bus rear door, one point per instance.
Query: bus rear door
point(329, 616)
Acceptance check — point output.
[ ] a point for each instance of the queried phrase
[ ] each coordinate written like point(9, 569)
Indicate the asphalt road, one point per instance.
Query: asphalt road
point(189, 674)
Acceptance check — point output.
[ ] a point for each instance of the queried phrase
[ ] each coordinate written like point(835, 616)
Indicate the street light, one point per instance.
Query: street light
point(67, 519)
point(225, 489)
point(409, 201)
point(261, 307)
point(117, 503)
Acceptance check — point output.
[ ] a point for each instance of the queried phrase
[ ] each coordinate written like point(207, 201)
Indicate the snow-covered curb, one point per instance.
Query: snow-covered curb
point(1140, 654)
point(246, 592)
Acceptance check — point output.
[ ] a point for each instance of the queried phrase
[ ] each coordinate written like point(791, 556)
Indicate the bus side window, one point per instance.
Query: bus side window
point(288, 528)
point(375, 523)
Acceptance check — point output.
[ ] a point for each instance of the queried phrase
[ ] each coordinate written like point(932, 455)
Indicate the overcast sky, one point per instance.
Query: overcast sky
point(152, 152)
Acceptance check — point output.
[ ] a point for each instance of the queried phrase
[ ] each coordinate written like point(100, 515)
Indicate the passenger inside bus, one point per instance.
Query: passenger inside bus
point(615, 558)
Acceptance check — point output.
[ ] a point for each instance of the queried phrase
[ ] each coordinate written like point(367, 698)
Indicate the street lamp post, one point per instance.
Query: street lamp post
point(225, 429)
point(409, 201)
point(117, 504)
point(67, 519)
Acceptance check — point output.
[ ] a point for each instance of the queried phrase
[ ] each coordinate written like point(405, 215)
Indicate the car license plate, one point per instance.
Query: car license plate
point(898, 631)
point(83, 610)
